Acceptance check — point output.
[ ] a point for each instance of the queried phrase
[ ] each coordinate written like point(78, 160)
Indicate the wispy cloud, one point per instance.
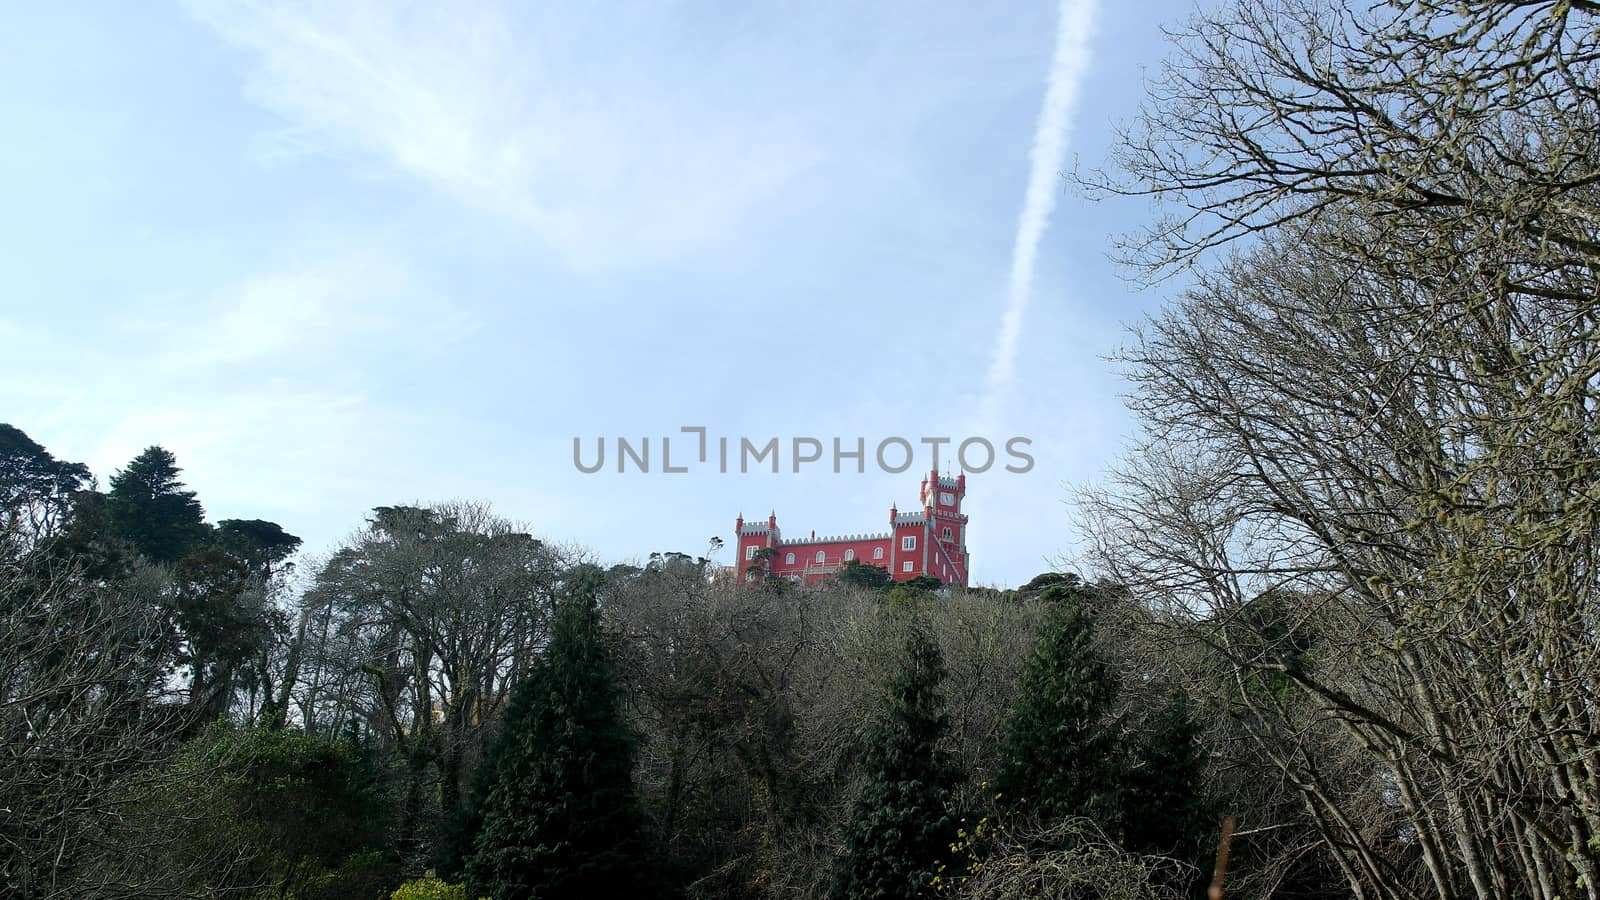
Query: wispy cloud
point(601, 162)
point(1070, 62)
point(301, 312)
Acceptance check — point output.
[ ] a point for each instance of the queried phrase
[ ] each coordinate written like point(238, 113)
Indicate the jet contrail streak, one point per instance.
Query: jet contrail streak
point(1075, 23)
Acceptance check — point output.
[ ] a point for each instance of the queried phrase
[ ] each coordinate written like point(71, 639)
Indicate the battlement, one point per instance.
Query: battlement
point(835, 539)
point(930, 541)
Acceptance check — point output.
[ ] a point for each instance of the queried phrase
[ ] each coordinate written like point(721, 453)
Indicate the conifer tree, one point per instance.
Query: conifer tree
point(150, 509)
point(1058, 756)
point(557, 815)
point(1164, 808)
point(902, 824)
point(35, 487)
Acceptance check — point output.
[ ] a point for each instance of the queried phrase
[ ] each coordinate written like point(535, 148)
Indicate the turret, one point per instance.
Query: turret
point(931, 540)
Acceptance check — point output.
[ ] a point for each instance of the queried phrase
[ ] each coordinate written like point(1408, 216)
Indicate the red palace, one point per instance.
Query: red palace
point(931, 541)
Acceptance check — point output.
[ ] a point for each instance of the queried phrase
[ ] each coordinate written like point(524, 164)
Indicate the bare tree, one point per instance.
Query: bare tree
point(1403, 473)
point(1460, 129)
point(1373, 421)
point(415, 630)
point(85, 702)
point(1078, 861)
point(752, 700)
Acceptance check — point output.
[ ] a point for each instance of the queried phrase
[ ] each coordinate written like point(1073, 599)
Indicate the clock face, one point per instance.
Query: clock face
point(947, 498)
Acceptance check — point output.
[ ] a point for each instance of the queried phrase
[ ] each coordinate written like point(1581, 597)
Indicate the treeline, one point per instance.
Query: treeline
point(447, 693)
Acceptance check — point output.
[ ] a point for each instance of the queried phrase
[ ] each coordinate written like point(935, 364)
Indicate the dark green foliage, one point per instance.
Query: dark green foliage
point(1164, 807)
point(33, 484)
point(1058, 756)
point(1038, 584)
point(367, 873)
point(907, 597)
point(556, 815)
point(1273, 628)
point(1272, 633)
point(304, 796)
point(912, 592)
point(902, 825)
point(215, 613)
point(864, 575)
point(149, 508)
point(760, 567)
point(260, 545)
point(89, 544)
point(584, 580)
point(282, 809)
point(223, 621)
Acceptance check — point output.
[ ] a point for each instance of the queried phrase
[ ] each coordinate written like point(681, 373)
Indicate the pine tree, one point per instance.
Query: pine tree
point(557, 816)
point(1058, 756)
point(902, 825)
point(1164, 807)
point(149, 508)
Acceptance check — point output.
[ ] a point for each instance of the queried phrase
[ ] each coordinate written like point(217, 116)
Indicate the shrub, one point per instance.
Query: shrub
point(429, 887)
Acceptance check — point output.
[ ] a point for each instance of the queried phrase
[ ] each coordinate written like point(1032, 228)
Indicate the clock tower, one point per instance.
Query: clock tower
point(931, 541)
point(941, 502)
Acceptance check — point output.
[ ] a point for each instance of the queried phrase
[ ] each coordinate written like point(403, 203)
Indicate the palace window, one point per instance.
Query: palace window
point(947, 532)
point(909, 542)
point(906, 567)
point(788, 559)
point(750, 552)
point(877, 553)
point(849, 555)
point(820, 556)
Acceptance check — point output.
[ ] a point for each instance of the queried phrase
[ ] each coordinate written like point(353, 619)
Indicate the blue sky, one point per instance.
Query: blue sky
point(344, 255)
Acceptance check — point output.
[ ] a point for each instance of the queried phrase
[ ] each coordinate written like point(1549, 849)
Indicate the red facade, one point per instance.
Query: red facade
point(931, 541)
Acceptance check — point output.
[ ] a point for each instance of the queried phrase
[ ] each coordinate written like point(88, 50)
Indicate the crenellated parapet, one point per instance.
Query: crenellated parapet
point(930, 540)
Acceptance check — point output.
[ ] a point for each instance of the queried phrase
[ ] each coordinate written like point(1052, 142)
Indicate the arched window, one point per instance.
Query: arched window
point(877, 553)
point(788, 559)
point(849, 555)
point(947, 532)
point(820, 556)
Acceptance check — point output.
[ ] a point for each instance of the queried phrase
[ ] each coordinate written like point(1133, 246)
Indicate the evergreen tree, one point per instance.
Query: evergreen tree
point(260, 545)
point(284, 808)
point(556, 815)
point(864, 575)
point(1164, 809)
point(149, 508)
point(222, 622)
point(34, 486)
point(1058, 756)
point(902, 823)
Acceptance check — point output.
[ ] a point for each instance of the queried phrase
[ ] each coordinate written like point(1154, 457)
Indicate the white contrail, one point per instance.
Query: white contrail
point(1074, 24)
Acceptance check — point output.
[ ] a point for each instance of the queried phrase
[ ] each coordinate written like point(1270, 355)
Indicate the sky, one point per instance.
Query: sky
point(343, 255)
